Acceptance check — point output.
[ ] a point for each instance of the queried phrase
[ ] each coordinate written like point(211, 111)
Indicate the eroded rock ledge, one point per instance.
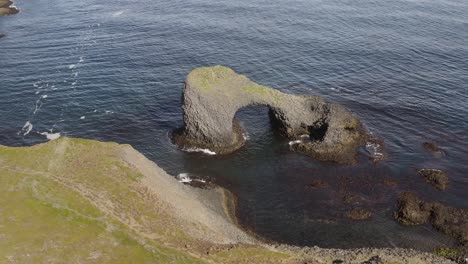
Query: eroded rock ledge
point(213, 95)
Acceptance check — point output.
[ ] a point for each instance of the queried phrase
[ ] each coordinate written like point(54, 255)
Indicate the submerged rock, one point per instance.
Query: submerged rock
point(213, 95)
point(318, 184)
point(359, 214)
point(436, 178)
point(431, 146)
point(414, 211)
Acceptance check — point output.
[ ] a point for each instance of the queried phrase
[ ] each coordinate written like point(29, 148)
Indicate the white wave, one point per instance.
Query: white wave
point(51, 136)
point(27, 128)
point(44, 96)
point(72, 66)
point(81, 59)
point(74, 83)
point(75, 74)
point(184, 178)
point(83, 117)
point(118, 13)
point(37, 106)
point(205, 151)
point(109, 112)
point(374, 150)
point(246, 136)
point(294, 142)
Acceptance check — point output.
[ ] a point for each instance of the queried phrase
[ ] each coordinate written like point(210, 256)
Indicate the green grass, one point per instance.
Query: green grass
point(263, 91)
point(449, 253)
point(43, 221)
point(208, 77)
point(43, 218)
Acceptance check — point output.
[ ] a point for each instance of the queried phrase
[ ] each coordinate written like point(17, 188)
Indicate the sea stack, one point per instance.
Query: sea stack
point(213, 95)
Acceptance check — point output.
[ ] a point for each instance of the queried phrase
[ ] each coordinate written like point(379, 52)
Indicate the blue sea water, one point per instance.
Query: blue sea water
point(114, 71)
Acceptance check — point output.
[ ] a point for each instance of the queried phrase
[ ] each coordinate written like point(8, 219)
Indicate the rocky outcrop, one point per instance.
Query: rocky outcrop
point(359, 214)
point(213, 95)
point(435, 177)
point(431, 147)
point(414, 211)
point(452, 221)
point(6, 8)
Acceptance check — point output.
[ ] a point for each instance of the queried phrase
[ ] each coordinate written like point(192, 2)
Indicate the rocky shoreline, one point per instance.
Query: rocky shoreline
point(7, 8)
point(154, 208)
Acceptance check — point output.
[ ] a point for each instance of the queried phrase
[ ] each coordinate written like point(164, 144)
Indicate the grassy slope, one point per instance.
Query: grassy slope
point(80, 201)
point(74, 200)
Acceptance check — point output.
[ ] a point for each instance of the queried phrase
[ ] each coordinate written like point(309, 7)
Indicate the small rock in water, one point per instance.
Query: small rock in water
point(318, 183)
point(411, 210)
point(437, 178)
point(351, 198)
point(390, 182)
point(359, 214)
point(431, 146)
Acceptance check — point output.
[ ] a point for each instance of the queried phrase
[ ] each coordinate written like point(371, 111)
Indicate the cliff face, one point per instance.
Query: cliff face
point(213, 95)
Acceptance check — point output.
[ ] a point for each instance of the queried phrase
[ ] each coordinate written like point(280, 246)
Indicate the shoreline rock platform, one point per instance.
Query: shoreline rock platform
point(212, 96)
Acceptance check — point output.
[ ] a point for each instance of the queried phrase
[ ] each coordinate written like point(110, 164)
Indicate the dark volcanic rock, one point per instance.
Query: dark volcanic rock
point(6, 9)
point(414, 211)
point(359, 214)
point(435, 177)
point(213, 95)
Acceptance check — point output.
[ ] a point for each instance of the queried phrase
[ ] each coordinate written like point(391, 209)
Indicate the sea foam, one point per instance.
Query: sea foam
point(185, 178)
point(205, 151)
point(28, 126)
point(51, 136)
point(374, 150)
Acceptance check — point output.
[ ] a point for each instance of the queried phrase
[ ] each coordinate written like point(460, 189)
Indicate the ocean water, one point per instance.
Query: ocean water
point(114, 71)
